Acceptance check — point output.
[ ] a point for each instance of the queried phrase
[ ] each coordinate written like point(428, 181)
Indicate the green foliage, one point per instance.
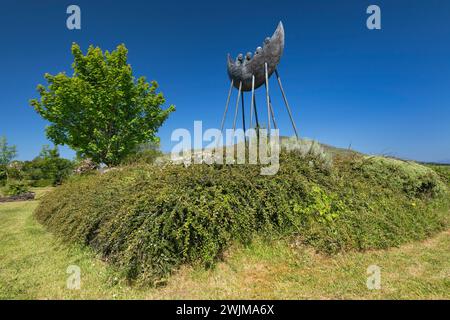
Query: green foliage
point(144, 153)
point(148, 219)
point(305, 147)
point(412, 178)
point(15, 188)
point(3, 175)
point(443, 171)
point(47, 169)
point(101, 111)
point(320, 206)
point(249, 271)
point(15, 170)
point(7, 152)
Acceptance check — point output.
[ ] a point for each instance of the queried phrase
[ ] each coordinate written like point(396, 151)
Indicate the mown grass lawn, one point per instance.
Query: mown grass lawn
point(33, 265)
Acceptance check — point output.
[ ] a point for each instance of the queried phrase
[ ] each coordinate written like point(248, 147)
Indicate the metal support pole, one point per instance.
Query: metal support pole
point(225, 114)
point(256, 112)
point(273, 115)
point(286, 103)
point(237, 106)
point(226, 107)
point(267, 98)
point(243, 115)
point(252, 101)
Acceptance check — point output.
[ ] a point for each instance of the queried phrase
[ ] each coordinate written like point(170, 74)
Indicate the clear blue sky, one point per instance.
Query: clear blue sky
point(384, 91)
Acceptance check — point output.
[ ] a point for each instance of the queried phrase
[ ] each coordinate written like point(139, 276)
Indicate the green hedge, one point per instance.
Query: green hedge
point(148, 219)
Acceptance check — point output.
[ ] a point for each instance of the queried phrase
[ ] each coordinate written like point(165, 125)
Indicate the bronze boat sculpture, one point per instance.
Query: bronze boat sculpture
point(248, 73)
point(244, 68)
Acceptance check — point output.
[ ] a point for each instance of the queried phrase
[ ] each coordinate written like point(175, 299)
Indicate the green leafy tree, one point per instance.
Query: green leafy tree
point(7, 154)
point(102, 111)
point(48, 168)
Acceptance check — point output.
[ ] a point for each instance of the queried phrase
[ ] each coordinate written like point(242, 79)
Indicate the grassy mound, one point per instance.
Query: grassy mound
point(149, 219)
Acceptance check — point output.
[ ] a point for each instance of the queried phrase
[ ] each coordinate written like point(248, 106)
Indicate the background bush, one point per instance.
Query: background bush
point(144, 153)
point(148, 219)
point(47, 169)
point(15, 188)
point(3, 175)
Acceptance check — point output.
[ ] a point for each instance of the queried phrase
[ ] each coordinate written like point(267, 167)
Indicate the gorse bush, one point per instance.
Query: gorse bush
point(148, 219)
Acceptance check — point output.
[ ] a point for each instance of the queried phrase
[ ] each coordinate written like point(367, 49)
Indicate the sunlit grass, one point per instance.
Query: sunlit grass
point(33, 265)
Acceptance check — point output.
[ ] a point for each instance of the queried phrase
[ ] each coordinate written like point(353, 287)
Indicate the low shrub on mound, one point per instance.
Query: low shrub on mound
point(443, 171)
point(149, 219)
